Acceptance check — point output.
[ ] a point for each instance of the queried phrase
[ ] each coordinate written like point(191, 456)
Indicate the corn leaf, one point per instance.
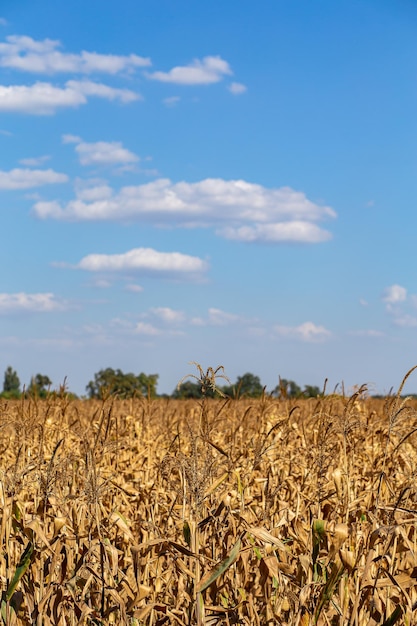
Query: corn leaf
point(21, 568)
point(210, 577)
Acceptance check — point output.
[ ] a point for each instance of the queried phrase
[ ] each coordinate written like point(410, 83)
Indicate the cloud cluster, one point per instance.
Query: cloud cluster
point(44, 98)
point(240, 210)
point(30, 302)
point(45, 57)
point(166, 320)
point(23, 53)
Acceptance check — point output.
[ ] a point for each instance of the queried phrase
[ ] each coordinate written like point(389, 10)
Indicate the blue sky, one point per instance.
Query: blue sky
point(227, 182)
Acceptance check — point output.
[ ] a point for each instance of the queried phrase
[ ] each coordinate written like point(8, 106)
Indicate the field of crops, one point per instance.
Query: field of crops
point(268, 511)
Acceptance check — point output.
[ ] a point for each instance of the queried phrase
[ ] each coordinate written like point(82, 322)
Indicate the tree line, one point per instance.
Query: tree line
point(110, 382)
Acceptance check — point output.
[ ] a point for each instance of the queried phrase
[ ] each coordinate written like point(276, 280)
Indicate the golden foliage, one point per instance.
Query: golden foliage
point(269, 511)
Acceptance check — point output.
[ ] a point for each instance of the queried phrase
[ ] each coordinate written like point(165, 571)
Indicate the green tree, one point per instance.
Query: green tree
point(189, 389)
point(247, 385)
point(114, 382)
point(11, 383)
point(311, 391)
point(39, 385)
point(288, 389)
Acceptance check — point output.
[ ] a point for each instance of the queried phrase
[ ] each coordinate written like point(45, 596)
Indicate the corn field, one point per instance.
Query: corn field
point(227, 511)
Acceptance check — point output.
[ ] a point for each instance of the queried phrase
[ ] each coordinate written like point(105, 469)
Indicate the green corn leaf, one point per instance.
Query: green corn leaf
point(210, 577)
point(394, 617)
point(187, 533)
point(21, 568)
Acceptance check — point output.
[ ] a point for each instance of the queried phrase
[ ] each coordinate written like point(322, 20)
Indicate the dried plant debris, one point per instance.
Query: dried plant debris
point(241, 511)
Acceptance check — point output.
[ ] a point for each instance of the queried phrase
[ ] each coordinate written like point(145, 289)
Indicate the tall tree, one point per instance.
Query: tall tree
point(40, 385)
point(11, 383)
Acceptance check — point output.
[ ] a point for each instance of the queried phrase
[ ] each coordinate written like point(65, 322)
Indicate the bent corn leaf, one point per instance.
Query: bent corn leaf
point(210, 577)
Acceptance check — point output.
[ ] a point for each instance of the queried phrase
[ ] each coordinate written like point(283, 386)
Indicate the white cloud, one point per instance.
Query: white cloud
point(397, 301)
point(168, 315)
point(394, 294)
point(217, 317)
point(71, 139)
point(134, 288)
point(35, 161)
point(307, 331)
point(143, 328)
point(237, 89)
point(45, 98)
point(30, 302)
point(197, 321)
point(296, 231)
point(101, 152)
point(248, 211)
point(406, 321)
point(44, 57)
point(93, 193)
point(145, 261)
point(91, 88)
point(27, 178)
point(210, 69)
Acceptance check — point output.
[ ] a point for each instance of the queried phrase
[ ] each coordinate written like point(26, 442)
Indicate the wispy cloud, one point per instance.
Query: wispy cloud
point(237, 89)
point(144, 328)
point(405, 320)
point(45, 99)
point(168, 315)
point(248, 212)
point(134, 288)
point(44, 57)
point(166, 320)
point(27, 178)
point(171, 101)
point(217, 317)
point(210, 69)
point(30, 303)
point(294, 231)
point(377, 334)
point(35, 161)
point(308, 331)
point(144, 261)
